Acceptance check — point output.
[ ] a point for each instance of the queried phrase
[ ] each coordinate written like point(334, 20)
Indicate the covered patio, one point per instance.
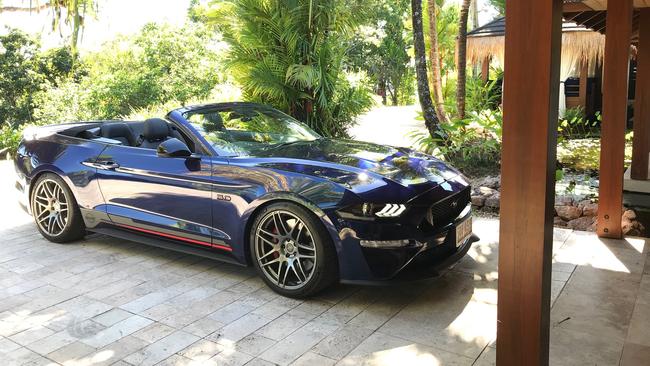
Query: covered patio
point(526, 323)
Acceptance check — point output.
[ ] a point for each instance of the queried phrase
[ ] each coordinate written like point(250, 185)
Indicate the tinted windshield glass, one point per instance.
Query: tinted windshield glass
point(243, 129)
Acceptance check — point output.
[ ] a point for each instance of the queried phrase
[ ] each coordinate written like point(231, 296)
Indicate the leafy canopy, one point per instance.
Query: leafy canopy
point(159, 64)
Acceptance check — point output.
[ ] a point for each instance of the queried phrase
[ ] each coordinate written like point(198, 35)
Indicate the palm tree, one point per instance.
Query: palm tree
point(434, 58)
point(462, 58)
point(74, 15)
point(424, 94)
point(290, 54)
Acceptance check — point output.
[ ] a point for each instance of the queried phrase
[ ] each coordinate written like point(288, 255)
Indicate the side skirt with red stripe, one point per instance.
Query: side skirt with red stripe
point(175, 237)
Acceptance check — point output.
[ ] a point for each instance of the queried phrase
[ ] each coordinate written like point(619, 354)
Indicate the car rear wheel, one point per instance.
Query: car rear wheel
point(55, 210)
point(292, 250)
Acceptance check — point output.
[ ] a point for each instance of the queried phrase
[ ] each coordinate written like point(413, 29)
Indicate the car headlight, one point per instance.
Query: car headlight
point(369, 211)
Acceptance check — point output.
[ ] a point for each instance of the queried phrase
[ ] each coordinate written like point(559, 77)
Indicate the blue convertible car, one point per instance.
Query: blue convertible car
point(245, 183)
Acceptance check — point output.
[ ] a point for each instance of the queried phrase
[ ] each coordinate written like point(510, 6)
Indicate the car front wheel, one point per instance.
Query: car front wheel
point(55, 210)
point(292, 250)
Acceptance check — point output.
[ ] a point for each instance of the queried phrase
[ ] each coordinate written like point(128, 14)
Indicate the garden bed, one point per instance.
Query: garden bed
point(576, 203)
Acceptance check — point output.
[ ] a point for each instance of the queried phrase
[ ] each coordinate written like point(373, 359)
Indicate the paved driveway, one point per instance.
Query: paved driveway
point(106, 301)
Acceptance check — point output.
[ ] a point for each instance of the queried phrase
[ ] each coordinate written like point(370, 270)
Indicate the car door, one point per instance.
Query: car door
point(169, 197)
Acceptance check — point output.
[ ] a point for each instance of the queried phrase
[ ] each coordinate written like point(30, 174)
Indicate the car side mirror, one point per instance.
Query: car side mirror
point(173, 148)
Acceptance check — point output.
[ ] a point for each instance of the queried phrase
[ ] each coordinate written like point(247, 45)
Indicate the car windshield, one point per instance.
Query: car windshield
point(242, 129)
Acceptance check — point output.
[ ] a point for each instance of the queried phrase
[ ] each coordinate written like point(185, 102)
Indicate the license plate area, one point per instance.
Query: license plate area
point(463, 231)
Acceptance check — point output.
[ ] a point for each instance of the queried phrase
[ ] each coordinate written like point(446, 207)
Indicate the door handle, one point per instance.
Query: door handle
point(107, 165)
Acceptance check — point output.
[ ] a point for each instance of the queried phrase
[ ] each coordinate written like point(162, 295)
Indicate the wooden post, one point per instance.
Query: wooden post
point(531, 98)
point(485, 69)
point(584, 76)
point(612, 140)
point(641, 143)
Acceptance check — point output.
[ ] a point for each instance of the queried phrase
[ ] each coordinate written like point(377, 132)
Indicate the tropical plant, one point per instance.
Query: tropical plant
point(291, 54)
point(575, 124)
point(472, 144)
point(71, 12)
point(482, 95)
point(500, 5)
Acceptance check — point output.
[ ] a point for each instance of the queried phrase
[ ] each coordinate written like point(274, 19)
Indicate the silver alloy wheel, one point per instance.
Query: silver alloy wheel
point(285, 249)
point(51, 209)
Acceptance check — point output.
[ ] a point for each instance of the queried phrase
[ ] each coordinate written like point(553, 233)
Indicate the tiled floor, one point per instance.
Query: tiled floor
point(105, 301)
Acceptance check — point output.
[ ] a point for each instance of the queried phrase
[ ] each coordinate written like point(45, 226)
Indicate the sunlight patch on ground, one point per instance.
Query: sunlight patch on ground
point(22, 320)
point(477, 322)
point(636, 243)
point(589, 250)
point(407, 355)
point(100, 357)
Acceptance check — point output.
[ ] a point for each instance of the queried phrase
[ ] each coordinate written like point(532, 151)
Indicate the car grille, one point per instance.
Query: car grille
point(445, 211)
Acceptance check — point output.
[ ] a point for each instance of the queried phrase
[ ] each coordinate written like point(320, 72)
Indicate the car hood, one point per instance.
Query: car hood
point(416, 171)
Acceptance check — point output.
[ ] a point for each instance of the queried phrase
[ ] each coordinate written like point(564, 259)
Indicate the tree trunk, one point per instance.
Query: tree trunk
point(434, 59)
point(76, 24)
point(462, 58)
point(424, 94)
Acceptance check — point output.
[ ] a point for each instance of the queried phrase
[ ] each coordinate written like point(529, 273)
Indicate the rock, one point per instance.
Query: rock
point(486, 191)
point(493, 201)
point(478, 201)
point(568, 212)
point(583, 203)
point(582, 223)
point(590, 209)
point(629, 215)
point(563, 201)
point(627, 225)
point(557, 221)
point(489, 182)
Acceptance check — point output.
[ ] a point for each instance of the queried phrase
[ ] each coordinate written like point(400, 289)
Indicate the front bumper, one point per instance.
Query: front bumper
point(22, 190)
point(428, 257)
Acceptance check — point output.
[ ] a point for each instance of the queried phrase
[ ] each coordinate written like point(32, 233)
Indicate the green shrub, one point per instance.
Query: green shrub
point(20, 77)
point(160, 64)
point(64, 103)
point(574, 124)
point(10, 138)
point(472, 145)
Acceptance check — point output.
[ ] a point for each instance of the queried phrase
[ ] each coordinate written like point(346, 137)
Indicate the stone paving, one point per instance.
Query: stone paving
point(104, 301)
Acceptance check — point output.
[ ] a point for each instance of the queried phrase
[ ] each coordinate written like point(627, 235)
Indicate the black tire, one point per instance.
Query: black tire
point(74, 227)
point(324, 268)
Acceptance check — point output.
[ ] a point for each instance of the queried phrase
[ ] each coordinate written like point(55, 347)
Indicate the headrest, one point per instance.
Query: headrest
point(155, 129)
point(215, 122)
point(116, 129)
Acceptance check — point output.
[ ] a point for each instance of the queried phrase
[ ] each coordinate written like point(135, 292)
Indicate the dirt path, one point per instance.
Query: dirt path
point(388, 126)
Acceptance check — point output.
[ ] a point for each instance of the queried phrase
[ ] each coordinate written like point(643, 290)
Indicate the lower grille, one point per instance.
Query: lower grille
point(446, 211)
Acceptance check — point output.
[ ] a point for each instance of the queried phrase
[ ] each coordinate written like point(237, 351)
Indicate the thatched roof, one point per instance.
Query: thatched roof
point(578, 42)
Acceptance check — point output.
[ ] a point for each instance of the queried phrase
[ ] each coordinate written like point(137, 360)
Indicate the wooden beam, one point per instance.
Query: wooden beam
point(531, 96)
point(584, 76)
point(575, 7)
point(615, 93)
point(641, 143)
